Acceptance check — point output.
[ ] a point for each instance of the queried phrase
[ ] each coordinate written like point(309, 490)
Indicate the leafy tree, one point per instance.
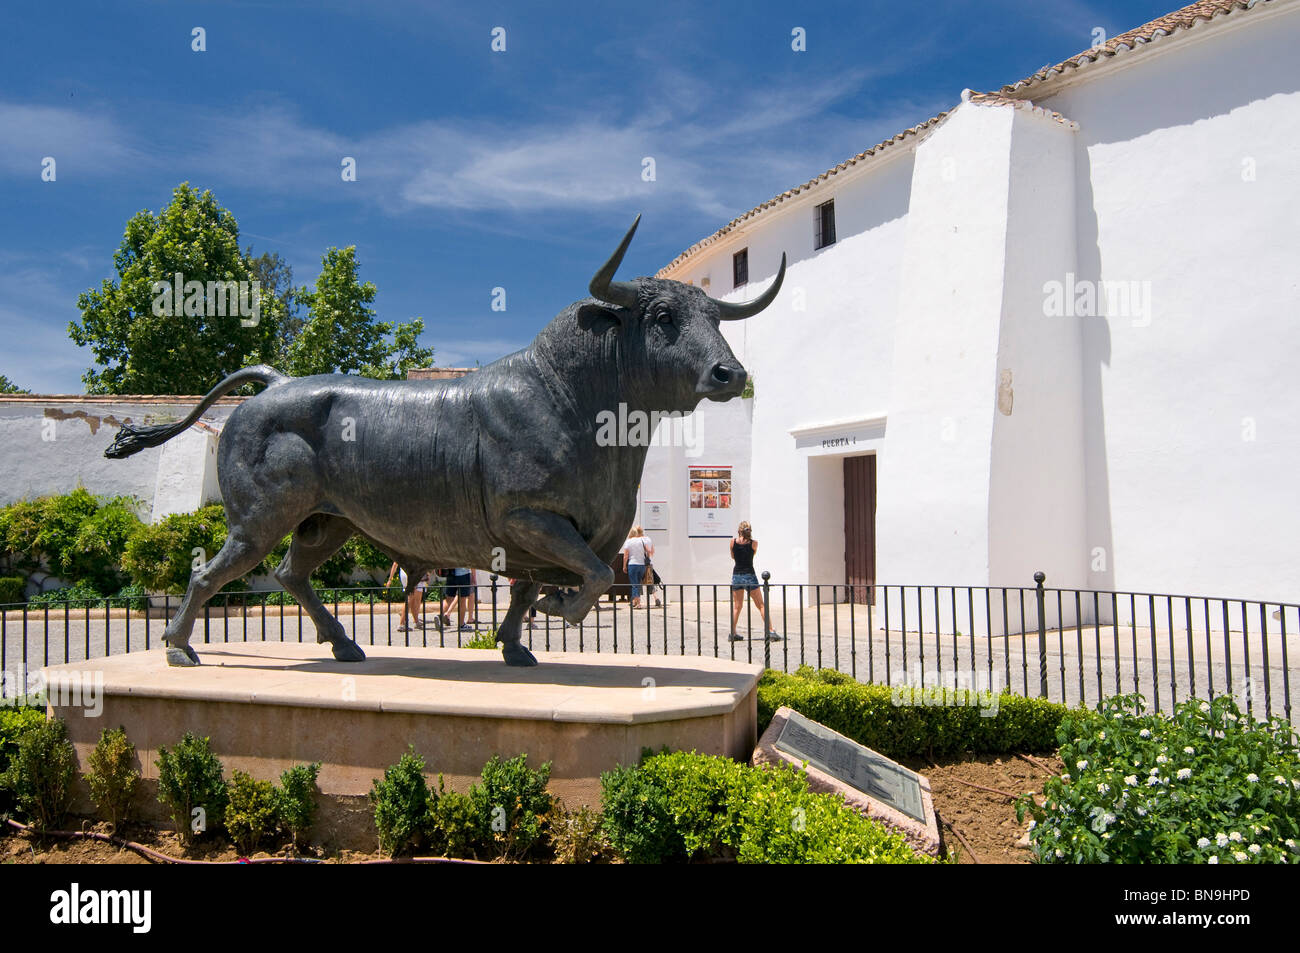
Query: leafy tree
point(137, 350)
point(341, 333)
point(276, 276)
point(9, 387)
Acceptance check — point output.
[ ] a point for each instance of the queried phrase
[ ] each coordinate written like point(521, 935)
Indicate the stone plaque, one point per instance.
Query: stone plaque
point(851, 763)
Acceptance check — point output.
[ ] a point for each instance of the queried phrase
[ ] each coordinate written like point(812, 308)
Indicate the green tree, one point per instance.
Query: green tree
point(276, 276)
point(9, 387)
point(138, 350)
point(341, 333)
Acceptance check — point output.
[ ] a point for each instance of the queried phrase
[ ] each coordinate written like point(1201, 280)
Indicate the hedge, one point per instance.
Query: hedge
point(872, 715)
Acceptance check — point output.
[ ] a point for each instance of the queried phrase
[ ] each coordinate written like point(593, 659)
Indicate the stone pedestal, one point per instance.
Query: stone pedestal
point(267, 706)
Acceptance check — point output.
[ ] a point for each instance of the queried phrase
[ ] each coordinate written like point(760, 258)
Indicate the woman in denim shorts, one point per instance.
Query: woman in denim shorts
point(744, 579)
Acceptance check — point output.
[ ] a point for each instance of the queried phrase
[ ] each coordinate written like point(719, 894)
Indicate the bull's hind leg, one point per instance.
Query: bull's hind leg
point(240, 554)
point(522, 594)
point(316, 539)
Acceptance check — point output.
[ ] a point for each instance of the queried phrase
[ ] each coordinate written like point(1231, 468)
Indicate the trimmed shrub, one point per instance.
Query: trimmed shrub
point(577, 836)
point(878, 717)
point(77, 596)
point(251, 812)
point(510, 801)
point(456, 824)
point(681, 806)
point(1205, 785)
point(41, 773)
point(191, 786)
point(402, 809)
point(12, 589)
point(112, 777)
point(296, 801)
point(74, 536)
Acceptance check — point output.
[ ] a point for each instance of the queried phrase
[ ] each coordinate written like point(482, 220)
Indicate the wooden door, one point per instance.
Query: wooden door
point(860, 527)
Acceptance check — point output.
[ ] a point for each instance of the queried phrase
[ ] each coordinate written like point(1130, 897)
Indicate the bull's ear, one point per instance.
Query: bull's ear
point(597, 317)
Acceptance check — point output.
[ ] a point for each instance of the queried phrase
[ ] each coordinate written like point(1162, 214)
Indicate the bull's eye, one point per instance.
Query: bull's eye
point(664, 316)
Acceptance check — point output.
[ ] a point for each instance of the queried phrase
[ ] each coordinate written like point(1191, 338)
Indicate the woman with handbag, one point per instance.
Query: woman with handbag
point(637, 552)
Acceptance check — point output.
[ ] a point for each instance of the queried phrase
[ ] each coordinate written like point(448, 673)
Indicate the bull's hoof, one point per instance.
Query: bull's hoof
point(515, 654)
point(345, 650)
point(182, 656)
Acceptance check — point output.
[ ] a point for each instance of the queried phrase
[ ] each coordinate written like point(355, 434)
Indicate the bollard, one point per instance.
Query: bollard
point(494, 577)
point(1039, 577)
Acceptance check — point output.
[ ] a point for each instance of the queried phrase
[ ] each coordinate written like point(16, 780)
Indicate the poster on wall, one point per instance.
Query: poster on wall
point(654, 515)
point(710, 502)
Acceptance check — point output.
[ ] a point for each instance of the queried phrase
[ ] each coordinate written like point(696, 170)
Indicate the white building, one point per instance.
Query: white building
point(1054, 328)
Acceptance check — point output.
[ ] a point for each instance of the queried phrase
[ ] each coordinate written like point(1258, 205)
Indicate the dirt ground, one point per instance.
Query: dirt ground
point(987, 820)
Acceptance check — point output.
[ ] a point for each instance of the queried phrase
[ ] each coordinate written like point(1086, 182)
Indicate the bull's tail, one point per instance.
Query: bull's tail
point(131, 439)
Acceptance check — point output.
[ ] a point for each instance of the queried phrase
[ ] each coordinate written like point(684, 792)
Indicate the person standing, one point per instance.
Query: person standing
point(460, 592)
point(637, 552)
point(413, 601)
point(743, 579)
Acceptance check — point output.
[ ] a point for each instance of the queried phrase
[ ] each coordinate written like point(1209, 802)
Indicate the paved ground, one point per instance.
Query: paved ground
point(1081, 663)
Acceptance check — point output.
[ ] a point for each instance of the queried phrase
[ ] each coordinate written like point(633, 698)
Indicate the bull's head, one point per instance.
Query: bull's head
point(673, 329)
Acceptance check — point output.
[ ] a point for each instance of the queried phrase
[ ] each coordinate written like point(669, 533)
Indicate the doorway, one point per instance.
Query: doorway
point(860, 527)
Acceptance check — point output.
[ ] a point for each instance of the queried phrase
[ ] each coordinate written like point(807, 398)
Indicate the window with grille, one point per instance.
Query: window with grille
point(824, 225)
point(740, 268)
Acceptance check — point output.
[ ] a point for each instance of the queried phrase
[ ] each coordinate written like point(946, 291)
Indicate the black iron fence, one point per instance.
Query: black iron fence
point(1068, 645)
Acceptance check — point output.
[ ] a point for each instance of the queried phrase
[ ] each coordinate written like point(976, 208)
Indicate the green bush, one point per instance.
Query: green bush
point(484, 640)
point(456, 824)
point(577, 836)
point(161, 556)
point(41, 773)
point(80, 595)
point(191, 786)
point(873, 715)
point(296, 801)
point(681, 806)
point(75, 536)
point(113, 777)
point(251, 811)
point(511, 799)
point(1205, 785)
point(402, 806)
point(12, 589)
point(14, 723)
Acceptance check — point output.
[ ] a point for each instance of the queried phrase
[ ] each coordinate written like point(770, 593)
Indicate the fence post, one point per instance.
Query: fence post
point(494, 602)
point(1039, 577)
point(767, 617)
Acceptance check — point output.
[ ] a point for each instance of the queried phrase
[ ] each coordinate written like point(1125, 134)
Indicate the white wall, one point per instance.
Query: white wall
point(53, 445)
point(1180, 499)
point(820, 353)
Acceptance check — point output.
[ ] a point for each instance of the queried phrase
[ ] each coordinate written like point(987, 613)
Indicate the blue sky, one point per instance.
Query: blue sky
point(475, 168)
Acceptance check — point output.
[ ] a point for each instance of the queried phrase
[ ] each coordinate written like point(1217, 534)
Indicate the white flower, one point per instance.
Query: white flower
point(1153, 772)
point(1082, 765)
point(1205, 706)
point(1059, 852)
point(1203, 842)
point(1065, 777)
point(1184, 774)
point(1252, 777)
point(1153, 782)
point(1161, 759)
point(1130, 779)
point(1221, 839)
point(1295, 782)
point(1102, 736)
point(1253, 848)
point(1144, 733)
point(1290, 843)
point(1213, 860)
point(1033, 824)
point(1103, 789)
point(1239, 854)
point(1234, 836)
point(1279, 779)
point(1142, 812)
point(1189, 750)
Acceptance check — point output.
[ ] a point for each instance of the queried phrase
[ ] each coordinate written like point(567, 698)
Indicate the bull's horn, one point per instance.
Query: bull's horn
point(604, 288)
point(735, 312)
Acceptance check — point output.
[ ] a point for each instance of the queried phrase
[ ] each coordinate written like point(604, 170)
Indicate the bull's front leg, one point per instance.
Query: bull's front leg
point(522, 594)
point(553, 538)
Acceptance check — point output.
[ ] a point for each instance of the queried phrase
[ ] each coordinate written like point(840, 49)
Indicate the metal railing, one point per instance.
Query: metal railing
point(1074, 646)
